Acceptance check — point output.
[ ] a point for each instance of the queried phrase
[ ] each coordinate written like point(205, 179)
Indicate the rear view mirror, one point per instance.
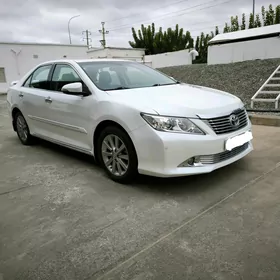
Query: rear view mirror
point(13, 83)
point(74, 88)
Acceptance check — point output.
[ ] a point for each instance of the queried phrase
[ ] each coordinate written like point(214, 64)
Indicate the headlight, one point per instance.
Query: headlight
point(172, 124)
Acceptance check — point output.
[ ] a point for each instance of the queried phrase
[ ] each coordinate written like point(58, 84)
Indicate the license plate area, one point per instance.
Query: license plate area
point(238, 140)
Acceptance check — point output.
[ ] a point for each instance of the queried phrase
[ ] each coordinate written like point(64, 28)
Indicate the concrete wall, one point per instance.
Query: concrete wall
point(242, 51)
point(17, 59)
point(169, 59)
point(117, 53)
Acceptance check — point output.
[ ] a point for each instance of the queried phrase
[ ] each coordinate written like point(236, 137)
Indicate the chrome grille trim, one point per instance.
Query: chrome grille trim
point(222, 125)
point(216, 158)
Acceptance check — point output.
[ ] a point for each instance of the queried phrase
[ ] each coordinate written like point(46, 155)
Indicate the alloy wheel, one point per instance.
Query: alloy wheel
point(22, 128)
point(115, 155)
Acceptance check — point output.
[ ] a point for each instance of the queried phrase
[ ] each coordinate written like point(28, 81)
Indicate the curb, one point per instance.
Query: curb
point(265, 120)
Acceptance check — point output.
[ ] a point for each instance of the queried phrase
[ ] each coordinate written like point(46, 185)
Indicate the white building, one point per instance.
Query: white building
point(18, 58)
point(118, 53)
point(183, 57)
point(249, 44)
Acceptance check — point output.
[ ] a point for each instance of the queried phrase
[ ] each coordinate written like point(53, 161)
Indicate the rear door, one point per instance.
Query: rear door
point(69, 115)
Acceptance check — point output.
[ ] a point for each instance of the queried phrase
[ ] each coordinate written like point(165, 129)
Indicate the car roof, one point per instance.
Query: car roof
point(71, 61)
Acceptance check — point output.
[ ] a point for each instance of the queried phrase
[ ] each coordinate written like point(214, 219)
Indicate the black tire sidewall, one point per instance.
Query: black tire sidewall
point(133, 162)
point(29, 139)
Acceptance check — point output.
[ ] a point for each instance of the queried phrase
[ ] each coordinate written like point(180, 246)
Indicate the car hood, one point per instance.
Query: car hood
point(178, 100)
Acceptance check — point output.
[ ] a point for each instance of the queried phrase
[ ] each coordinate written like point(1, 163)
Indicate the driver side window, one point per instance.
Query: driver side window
point(64, 74)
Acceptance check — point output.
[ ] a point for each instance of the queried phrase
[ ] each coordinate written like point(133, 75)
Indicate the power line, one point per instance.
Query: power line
point(159, 8)
point(164, 16)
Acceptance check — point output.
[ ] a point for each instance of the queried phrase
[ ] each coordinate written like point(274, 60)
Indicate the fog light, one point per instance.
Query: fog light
point(190, 161)
point(193, 161)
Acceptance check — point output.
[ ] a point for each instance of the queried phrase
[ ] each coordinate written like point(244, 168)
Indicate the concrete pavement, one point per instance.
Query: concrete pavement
point(62, 218)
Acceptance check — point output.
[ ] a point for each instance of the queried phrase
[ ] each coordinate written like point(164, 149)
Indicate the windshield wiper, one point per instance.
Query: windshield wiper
point(158, 85)
point(117, 88)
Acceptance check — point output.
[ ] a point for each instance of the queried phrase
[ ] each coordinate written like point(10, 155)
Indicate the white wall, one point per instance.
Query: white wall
point(17, 65)
point(242, 51)
point(168, 59)
point(130, 54)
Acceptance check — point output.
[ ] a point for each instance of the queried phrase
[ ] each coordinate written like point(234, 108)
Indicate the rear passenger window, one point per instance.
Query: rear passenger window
point(40, 78)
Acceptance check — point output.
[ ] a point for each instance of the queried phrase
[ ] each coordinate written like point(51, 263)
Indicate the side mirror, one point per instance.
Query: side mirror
point(74, 88)
point(13, 83)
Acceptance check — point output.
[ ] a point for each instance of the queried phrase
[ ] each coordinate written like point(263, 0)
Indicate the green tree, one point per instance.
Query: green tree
point(258, 21)
point(159, 42)
point(277, 15)
point(264, 16)
point(145, 38)
point(251, 21)
point(226, 28)
point(217, 30)
point(269, 16)
point(243, 24)
point(197, 43)
point(234, 24)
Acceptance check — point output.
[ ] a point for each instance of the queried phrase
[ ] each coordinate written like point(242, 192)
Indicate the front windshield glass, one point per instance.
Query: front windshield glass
point(118, 75)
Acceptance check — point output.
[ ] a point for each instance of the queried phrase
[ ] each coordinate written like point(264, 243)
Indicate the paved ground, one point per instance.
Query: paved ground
point(61, 218)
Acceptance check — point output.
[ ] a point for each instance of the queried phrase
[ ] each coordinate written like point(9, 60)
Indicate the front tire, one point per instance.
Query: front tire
point(117, 154)
point(22, 130)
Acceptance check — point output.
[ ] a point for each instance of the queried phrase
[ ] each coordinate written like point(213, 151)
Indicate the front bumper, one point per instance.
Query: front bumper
point(161, 153)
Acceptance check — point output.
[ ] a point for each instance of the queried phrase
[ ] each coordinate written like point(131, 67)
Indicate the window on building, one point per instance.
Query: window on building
point(2, 75)
point(40, 77)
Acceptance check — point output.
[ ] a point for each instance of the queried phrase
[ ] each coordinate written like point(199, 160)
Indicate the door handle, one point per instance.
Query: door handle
point(21, 94)
point(48, 100)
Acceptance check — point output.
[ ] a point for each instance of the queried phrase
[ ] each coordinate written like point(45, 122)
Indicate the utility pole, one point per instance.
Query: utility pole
point(103, 32)
point(254, 11)
point(69, 34)
point(88, 33)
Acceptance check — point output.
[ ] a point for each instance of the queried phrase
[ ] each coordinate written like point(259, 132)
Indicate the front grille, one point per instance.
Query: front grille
point(216, 158)
point(222, 125)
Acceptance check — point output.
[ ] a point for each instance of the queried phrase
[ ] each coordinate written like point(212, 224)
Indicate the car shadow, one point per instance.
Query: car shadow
point(176, 186)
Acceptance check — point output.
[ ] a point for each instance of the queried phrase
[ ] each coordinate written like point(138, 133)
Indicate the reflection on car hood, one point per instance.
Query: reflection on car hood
point(179, 100)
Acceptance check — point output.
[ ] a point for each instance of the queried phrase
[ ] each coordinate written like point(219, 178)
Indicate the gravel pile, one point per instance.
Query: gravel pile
point(242, 79)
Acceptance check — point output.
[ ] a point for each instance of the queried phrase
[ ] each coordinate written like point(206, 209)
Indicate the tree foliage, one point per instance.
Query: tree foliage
point(160, 42)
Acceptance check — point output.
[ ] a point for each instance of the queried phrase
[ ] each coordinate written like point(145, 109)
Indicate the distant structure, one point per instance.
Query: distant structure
point(249, 44)
point(194, 53)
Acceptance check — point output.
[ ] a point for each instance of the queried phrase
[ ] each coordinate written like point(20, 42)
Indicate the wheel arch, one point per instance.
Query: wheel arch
point(102, 125)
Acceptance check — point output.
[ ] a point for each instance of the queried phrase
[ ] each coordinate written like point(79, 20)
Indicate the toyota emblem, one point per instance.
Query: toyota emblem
point(234, 120)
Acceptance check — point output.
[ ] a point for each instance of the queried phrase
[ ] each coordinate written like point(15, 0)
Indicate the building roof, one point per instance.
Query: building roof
point(248, 34)
point(41, 44)
point(115, 48)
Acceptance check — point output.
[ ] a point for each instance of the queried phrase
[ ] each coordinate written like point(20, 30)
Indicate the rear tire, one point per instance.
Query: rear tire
point(22, 130)
point(117, 155)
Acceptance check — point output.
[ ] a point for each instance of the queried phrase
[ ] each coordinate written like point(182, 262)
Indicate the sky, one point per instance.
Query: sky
point(46, 21)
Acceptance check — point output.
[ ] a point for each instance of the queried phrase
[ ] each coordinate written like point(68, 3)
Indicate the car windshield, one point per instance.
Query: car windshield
point(119, 75)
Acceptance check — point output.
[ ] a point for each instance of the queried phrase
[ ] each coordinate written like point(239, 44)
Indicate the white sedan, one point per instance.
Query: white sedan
point(130, 117)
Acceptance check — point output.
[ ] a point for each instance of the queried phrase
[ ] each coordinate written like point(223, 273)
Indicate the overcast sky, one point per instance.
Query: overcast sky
point(46, 20)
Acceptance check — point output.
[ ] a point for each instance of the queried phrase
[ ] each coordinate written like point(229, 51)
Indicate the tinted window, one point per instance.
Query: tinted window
point(40, 77)
point(109, 75)
point(27, 82)
point(63, 75)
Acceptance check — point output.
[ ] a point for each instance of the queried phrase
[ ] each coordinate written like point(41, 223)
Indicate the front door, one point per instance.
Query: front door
point(69, 115)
